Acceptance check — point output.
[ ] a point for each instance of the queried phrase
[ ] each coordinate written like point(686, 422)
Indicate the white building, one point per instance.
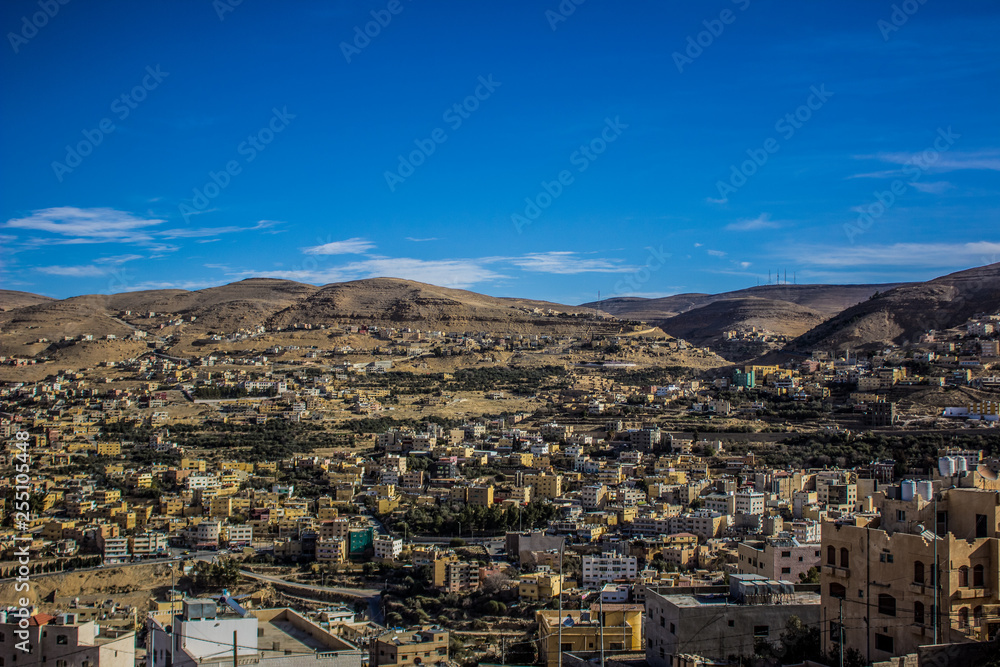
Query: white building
point(388, 547)
point(239, 534)
point(202, 636)
point(749, 502)
point(608, 567)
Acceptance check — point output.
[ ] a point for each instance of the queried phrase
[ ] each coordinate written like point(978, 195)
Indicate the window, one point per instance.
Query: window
point(838, 591)
point(60, 663)
point(761, 630)
point(62, 639)
point(884, 643)
point(663, 622)
point(845, 557)
point(977, 577)
point(977, 616)
point(886, 604)
point(831, 555)
point(885, 557)
point(918, 613)
point(963, 617)
point(673, 628)
point(786, 554)
point(981, 525)
point(963, 576)
point(732, 623)
point(786, 570)
point(918, 572)
point(900, 515)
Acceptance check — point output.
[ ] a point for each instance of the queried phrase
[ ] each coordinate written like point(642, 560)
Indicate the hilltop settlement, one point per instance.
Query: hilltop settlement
point(389, 473)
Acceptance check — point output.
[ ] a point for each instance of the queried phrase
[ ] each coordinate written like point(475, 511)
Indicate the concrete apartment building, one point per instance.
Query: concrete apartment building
point(422, 647)
point(608, 567)
point(724, 623)
point(454, 575)
point(204, 632)
point(777, 558)
point(885, 571)
point(581, 631)
point(64, 642)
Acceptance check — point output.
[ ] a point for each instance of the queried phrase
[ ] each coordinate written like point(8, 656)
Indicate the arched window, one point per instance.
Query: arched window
point(838, 591)
point(918, 572)
point(963, 617)
point(845, 557)
point(977, 616)
point(831, 555)
point(918, 612)
point(963, 576)
point(886, 604)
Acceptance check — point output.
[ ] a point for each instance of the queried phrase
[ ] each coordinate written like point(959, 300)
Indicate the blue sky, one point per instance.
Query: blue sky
point(536, 149)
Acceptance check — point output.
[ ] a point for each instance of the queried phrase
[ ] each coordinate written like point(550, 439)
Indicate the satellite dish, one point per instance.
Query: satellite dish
point(985, 472)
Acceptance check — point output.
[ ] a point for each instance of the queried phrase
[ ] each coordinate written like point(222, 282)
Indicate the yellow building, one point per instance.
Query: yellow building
point(544, 485)
point(540, 587)
point(481, 496)
point(109, 448)
point(622, 631)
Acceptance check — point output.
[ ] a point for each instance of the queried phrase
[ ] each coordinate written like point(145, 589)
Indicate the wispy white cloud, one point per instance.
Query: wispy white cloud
point(355, 246)
point(88, 271)
point(712, 200)
point(762, 221)
point(932, 187)
point(433, 238)
point(986, 160)
point(182, 233)
point(88, 225)
point(914, 255)
point(716, 253)
point(565, 263)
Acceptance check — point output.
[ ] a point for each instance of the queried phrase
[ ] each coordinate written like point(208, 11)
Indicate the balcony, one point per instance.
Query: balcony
point(833, 570)
point(971, 593)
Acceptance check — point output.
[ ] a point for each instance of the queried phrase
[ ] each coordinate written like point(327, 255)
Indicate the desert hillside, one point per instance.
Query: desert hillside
point(903, 313)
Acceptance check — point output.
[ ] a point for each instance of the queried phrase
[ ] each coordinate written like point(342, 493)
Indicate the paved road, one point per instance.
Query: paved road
point(355, 592)
point(372, 595)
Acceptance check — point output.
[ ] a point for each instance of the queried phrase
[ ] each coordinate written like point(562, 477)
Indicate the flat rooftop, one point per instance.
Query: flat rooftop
point(688, 600)
point(289, 638)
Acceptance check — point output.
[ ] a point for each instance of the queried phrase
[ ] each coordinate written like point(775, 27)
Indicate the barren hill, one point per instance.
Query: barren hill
point(11, 299)
point(903, 313)
point(383, 300)
point(705, 325)
point(827, 300)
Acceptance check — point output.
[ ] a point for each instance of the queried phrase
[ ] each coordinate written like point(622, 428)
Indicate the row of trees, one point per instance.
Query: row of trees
point(449, 518)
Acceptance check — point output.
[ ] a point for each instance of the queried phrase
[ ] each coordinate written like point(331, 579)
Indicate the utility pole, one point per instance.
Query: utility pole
point(937, 586)
point(562, 546)
point(840, 631)
point(236, 661)
point(600, 619)
point(503, 649)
